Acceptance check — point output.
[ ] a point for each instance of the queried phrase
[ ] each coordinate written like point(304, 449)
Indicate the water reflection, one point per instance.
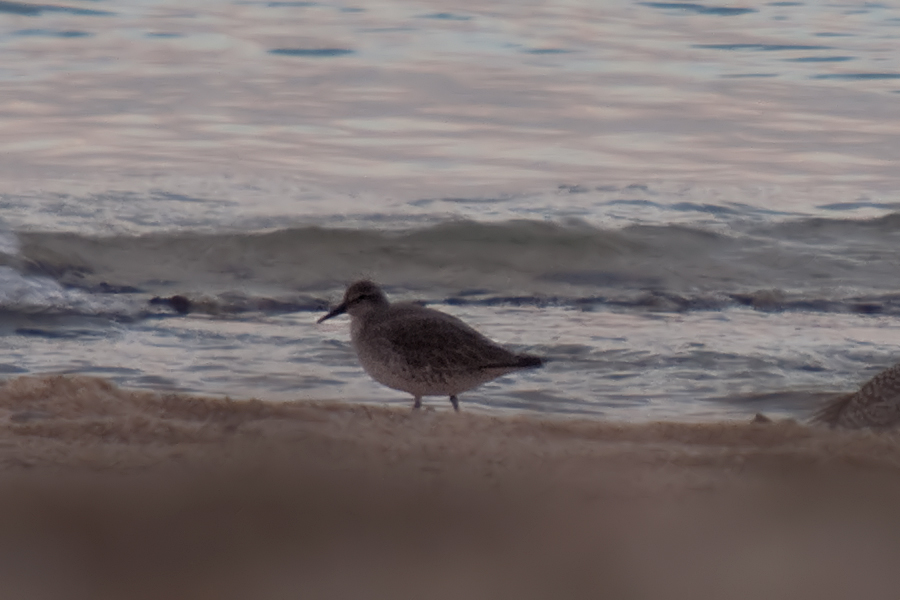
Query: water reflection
point(430, 103)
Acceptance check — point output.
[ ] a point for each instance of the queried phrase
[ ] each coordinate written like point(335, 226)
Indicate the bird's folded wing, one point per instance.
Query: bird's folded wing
point(439, 343)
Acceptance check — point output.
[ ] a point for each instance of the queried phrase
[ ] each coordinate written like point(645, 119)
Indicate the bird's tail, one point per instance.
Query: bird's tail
point(519, 361)
point(529, 360)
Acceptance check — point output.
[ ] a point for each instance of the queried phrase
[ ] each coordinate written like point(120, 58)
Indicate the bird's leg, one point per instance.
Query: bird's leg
point(455, 403)
point(417, 403)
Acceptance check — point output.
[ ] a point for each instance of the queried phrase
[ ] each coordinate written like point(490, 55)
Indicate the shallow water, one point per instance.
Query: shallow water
point(688, 208)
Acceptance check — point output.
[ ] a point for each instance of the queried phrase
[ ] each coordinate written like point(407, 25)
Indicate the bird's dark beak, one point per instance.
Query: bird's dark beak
point(337, 310)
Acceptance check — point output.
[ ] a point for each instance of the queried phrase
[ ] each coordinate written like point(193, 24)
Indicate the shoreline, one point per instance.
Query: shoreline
point(116, 493)
point(84, 411)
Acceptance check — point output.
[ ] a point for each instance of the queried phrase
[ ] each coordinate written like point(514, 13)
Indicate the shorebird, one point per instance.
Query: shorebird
point(875, 405)
point(419, 350)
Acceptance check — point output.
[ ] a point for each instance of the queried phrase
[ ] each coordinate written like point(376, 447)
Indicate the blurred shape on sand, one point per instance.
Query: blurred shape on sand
point(875, 405)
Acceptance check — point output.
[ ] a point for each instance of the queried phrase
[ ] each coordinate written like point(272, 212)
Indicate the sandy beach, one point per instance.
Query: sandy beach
point(111, 493)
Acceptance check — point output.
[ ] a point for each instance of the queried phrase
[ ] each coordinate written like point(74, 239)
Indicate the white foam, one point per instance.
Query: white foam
point(41, 294)
point(9, 243)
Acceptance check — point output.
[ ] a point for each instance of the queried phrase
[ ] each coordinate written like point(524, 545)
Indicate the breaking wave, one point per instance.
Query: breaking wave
point(819, 265)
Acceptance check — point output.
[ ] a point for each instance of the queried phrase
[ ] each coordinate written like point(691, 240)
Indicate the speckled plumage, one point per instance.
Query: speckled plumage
point(875, 405)
point(421, 351)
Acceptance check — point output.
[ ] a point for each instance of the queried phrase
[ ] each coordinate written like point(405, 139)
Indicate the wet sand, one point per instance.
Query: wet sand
point(111, 493)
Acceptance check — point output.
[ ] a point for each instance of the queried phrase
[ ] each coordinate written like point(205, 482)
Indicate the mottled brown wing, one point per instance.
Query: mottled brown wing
point(432, 340)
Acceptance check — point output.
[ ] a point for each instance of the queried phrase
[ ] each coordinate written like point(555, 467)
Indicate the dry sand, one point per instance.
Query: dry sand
point(113, 494)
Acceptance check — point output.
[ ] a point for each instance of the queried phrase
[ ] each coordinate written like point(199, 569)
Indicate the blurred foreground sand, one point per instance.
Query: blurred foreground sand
point(109, 493)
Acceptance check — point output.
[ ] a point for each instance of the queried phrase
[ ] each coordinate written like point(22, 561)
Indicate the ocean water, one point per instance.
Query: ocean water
point(691, 209)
